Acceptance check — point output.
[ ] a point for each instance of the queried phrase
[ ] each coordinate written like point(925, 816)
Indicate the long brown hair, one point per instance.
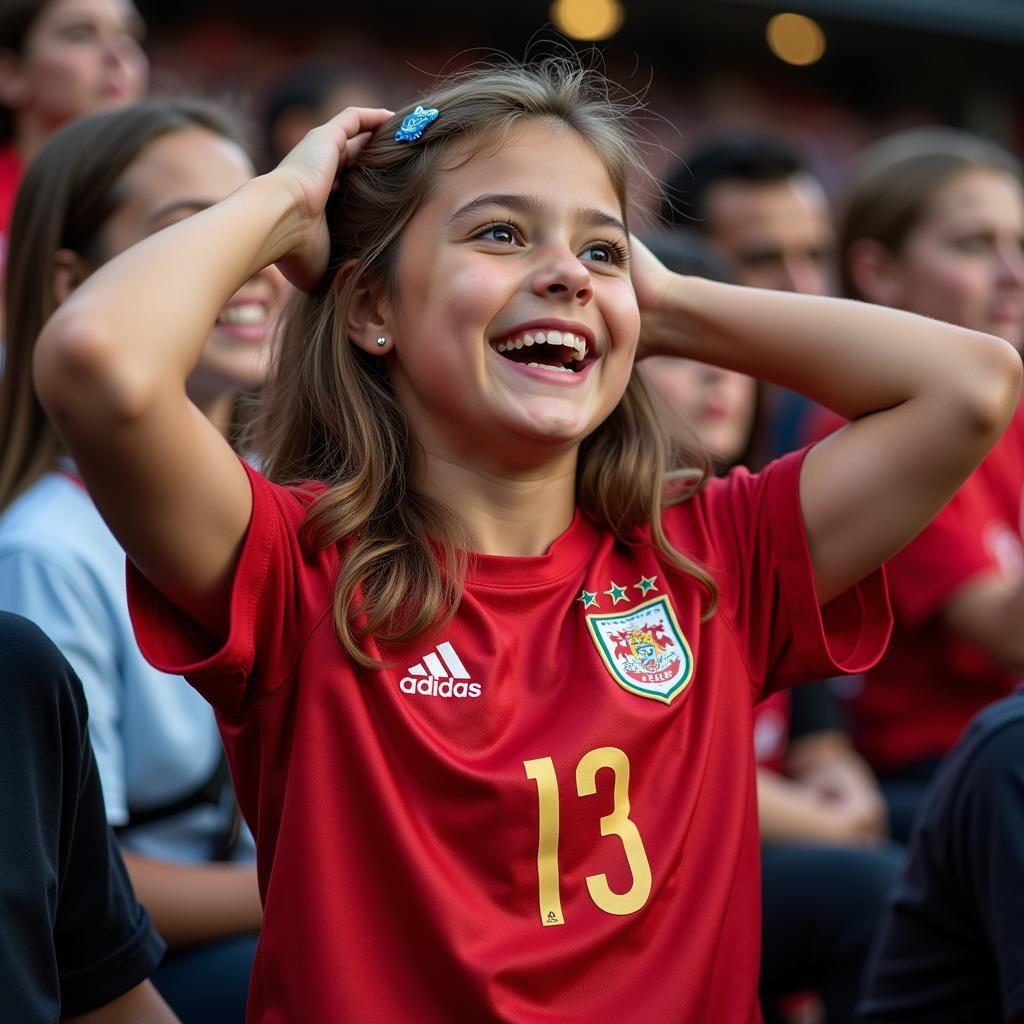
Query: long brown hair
point(69, 192)
point(329, 411)
point(895, 179)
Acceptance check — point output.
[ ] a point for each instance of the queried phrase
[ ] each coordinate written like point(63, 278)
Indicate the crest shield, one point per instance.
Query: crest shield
point(644, 649)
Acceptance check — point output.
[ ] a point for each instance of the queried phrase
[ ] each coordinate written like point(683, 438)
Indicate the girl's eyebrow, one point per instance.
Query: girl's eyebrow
point(530, 205)
point(177, 205)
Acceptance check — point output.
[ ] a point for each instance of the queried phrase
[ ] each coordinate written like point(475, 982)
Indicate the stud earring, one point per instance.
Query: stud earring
point(382, 342)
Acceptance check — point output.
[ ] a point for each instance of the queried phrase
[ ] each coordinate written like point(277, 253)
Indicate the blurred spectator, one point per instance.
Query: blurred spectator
point(311, 93)
point(719, 406)
point(756, 201)
point(819, 807)
point(933, 222)
point(952, 946)
point(97, 187)
point(60, 59)
point(73, 939)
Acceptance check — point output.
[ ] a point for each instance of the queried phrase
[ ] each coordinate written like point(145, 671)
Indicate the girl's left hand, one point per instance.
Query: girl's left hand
point(650, 280)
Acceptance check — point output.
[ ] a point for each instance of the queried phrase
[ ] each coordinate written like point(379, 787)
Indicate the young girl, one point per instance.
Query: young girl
point(932, 222)
point(487, 701)
point(97, 187)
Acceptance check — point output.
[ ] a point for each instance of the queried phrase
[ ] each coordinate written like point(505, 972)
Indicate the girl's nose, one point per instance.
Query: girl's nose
point(563, 275)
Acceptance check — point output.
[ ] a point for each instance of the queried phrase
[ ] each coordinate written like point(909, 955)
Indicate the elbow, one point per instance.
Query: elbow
point(80, 375)
point(992, 388)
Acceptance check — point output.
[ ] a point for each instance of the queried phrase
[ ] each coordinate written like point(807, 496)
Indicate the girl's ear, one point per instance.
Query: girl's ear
point(876, 272)
point(69, 271)
point(368, 313)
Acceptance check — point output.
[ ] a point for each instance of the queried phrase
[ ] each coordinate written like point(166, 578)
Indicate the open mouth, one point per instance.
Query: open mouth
point(561, 351)
point(243, 314)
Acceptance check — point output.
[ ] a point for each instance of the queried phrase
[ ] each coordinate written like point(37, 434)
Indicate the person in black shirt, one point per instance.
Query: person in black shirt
point(952, 945)
point(74, 943)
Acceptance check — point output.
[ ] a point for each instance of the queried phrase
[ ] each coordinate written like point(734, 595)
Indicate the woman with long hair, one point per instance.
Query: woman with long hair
point(933, 222)
point(96, 188)
point(60, 59)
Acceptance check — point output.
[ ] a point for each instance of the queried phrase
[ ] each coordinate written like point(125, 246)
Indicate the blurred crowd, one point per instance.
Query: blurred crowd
point(890, 806)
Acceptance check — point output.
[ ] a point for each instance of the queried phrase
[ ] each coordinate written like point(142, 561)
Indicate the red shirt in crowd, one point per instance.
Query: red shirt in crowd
point(931, 681)
point(773, 718)
point(11, 170)
point(546, 810)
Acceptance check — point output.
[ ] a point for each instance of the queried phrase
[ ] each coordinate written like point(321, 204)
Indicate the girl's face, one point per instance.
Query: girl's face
point(81, 57)
point(696, 399)
point(964, 263)
point(177, 175)
point(515, 321)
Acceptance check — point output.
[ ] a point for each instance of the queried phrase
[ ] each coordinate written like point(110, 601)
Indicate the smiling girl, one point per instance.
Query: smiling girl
point(465, 485)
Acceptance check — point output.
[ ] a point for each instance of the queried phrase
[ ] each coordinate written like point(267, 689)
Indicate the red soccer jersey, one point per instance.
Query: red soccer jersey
point(546, 811)
point(920, 696)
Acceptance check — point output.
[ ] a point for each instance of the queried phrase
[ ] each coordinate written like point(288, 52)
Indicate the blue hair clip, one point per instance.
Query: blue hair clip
point(412, 126)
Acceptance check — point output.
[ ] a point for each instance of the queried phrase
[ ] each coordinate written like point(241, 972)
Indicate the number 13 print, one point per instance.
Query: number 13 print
point(542, 771)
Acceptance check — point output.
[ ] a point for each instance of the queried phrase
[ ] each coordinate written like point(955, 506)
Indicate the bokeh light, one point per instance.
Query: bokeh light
point(590, 20)
point(795, 39)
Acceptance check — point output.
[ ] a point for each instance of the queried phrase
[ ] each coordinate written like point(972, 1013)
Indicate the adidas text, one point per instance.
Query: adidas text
point(431, 686)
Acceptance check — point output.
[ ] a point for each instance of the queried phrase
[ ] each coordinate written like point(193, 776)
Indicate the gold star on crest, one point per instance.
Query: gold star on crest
point(588, 598)
point(646, 585)
point(616, 593)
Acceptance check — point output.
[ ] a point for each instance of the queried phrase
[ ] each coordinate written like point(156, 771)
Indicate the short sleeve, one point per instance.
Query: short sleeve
point(72, 935)
point(758, 555)
point(104, 938)
point(278, 591)
point(947, 553)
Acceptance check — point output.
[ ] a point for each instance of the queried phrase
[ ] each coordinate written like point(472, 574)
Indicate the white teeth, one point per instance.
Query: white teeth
point(248, 315)
point(576, 343)
point(544, 366)
point(526, 340)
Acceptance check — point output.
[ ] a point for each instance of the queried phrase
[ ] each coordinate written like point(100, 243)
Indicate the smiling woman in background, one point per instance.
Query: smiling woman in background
point(97, 187)
point(60, 59)
point(933, 223)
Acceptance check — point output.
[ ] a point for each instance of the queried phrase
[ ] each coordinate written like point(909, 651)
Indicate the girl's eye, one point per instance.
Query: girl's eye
point(505, 234)
point(973, 244)
point(606, 252)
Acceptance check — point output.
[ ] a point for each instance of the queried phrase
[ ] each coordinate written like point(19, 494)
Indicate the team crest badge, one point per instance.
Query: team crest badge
point(645, 650)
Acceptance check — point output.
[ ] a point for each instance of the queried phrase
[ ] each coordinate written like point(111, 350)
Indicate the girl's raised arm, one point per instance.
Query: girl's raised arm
point(927, 401)
point(111, 367)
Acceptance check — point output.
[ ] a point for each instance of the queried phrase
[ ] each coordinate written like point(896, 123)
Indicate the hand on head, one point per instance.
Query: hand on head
point(650, 279)
point(310, 172)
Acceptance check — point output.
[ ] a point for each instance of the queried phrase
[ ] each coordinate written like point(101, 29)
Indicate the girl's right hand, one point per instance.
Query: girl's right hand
point(309, 174)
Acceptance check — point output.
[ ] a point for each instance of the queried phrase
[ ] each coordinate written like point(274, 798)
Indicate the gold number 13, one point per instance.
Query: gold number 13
point(618, 823)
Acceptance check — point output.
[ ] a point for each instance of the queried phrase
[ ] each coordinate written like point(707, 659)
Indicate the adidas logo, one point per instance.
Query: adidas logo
point(440, 674)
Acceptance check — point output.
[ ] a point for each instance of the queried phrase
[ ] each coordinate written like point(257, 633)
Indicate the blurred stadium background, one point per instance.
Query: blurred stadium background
point(829, 74)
